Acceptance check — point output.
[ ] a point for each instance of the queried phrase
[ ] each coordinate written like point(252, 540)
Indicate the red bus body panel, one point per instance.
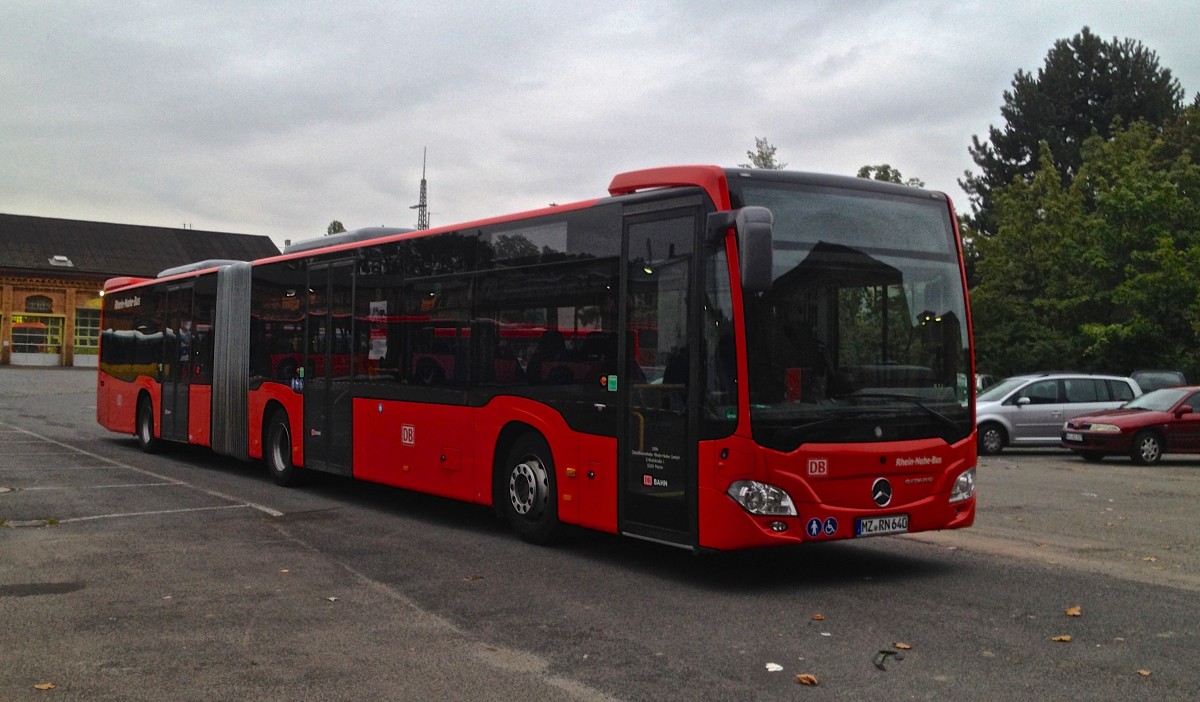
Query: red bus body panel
point(449, 451)
point(200, 415)
point(262, 403)
point(116, 402)
point(922, 474)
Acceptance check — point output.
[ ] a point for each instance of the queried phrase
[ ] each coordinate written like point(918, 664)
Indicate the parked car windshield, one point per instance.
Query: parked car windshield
point(1158, 400)
point(1000, 389)
point(1154, 379)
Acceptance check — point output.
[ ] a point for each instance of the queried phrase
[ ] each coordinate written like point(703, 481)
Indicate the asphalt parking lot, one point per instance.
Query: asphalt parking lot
point(187, 576)
point(126, 582)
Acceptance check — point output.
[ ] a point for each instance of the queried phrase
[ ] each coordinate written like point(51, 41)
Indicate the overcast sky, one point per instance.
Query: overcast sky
point(275, 118)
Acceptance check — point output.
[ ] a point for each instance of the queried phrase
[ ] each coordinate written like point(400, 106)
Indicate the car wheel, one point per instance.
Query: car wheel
point(277, 450)
point(527, 490)
point(1147, 448)
point(991, 439)
point(145, 427)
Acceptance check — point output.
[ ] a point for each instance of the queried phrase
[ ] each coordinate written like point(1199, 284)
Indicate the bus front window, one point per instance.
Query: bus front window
point(862, 336)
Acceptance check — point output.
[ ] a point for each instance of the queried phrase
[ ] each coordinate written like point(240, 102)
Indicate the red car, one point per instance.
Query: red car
point(1162, 421)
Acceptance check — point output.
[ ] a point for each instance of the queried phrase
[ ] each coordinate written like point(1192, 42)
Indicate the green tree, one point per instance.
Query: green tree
point(1102, 273)
point(888, 174)
point(1084, 85)
point(335, 227)
point(763, 156)
point(1019, 319)
point(1144, 246)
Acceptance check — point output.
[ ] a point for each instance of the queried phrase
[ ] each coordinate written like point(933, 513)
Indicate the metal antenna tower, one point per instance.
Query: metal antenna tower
point(422, 207)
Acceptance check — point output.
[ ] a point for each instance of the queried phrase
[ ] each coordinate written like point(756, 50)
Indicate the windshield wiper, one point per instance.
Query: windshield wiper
point(912, 399)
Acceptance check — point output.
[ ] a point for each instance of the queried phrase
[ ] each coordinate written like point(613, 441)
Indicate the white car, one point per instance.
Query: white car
point(1029, 410)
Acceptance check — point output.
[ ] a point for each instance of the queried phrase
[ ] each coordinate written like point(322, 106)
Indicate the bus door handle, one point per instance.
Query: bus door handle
point(600, 407)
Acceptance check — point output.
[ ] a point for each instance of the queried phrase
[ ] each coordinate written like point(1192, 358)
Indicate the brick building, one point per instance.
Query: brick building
point(52, 271)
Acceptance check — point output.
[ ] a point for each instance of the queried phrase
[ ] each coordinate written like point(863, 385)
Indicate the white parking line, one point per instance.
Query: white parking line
point(143, 514)
point(147, 473)
point(93, 487)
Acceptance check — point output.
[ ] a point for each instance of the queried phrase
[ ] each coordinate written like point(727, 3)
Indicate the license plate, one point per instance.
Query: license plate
point(878, 526)
point(1072, 436)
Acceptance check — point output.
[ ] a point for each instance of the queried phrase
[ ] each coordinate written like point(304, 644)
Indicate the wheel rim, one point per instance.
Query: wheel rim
point(281, 449)
point(1149, 449)
point(144, 430)
point(528, 487)
point(991, 440)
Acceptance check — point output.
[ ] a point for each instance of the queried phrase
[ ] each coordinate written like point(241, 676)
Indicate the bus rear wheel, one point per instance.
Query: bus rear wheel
point(145, 427)
point(277, 450)
point(528, 490)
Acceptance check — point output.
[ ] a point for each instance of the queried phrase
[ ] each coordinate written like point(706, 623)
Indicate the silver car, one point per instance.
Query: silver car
point(1029, 410)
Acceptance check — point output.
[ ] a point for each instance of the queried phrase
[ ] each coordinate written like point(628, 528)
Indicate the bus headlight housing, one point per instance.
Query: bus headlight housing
point(964, 487)
point(761, 498)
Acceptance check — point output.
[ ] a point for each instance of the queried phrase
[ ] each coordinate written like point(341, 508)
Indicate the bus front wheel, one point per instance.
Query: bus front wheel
point(277, 450)
point(528, 490)
point(145, 426)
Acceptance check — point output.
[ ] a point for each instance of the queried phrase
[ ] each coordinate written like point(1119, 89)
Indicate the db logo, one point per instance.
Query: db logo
point(408, 434)
point(648, 480)
point(818, 466)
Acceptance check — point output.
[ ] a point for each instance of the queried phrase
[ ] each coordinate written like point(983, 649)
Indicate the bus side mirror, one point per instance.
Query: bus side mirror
point(754, 231)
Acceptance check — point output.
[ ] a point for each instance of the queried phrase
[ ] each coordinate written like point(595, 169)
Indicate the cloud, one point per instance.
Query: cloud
point(277, 117)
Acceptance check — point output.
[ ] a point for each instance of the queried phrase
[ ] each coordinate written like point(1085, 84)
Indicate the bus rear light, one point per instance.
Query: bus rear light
point(760, 498)
point(964, 487)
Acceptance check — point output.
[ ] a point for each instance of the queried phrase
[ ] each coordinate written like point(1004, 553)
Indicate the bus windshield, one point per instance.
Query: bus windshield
point(862, 336)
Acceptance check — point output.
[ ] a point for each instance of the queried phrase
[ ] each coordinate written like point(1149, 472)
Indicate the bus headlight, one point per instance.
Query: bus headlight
point(964, 487)
point(760, 498)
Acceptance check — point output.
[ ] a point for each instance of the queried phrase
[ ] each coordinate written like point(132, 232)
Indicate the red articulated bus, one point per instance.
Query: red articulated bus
point(708, 358)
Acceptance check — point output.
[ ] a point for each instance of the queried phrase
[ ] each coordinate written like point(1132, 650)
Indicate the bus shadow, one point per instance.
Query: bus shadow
point(821, 564)
point(783, 568)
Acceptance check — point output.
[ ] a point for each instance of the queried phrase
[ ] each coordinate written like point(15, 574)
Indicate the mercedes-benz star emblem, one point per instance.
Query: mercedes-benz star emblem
point(881, 492)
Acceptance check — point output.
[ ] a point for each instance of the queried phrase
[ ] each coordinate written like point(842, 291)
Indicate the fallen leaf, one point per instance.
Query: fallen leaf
point(45, 686)
point(331, 599)
point(284, 570)
point(818, 617)
point(806, 679)
point(473, 578)
point(1144, 673)
point(774, 667)
point(1150, 559)
point(902, 646)
point(1074, 611)
point(1065, 638)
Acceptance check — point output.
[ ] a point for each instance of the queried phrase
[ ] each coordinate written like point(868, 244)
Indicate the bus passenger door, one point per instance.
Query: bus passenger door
point(329, 367)
point(657, 453)
point(177, 349)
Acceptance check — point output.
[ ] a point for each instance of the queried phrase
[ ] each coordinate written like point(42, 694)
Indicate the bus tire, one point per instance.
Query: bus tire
point(277, 450)
point(528, 490)
point(145, 426)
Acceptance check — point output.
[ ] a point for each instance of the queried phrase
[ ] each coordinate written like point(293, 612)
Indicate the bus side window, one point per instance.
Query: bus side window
point(552, 346)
